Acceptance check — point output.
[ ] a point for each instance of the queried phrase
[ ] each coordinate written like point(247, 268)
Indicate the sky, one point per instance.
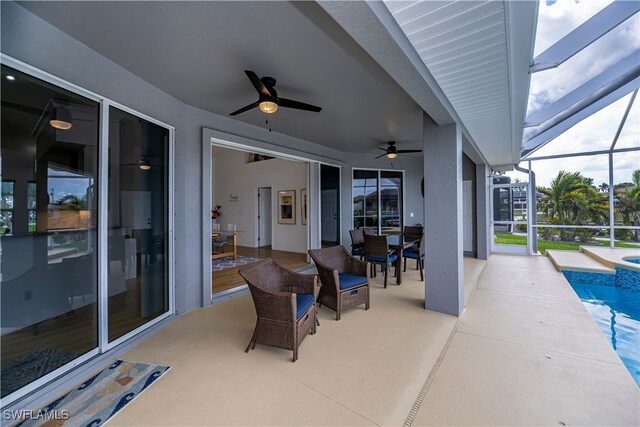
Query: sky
point(597, 132)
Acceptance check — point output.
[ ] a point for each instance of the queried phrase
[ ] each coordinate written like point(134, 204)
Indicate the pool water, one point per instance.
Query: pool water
point(617, 313)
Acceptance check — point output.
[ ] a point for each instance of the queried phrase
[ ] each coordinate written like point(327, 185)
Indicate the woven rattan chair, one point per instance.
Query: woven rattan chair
point(357, 242)
point(376, 251)
point(285, 303)
point(417, 254)
point(344, 279)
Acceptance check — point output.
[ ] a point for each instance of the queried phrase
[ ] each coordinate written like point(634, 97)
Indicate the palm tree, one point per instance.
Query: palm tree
point(604, 187)
point(635, 191)
point(564, 196)
point(628, 203)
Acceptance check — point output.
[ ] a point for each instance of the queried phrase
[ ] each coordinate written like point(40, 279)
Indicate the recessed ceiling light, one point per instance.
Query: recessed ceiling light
point(10, 77)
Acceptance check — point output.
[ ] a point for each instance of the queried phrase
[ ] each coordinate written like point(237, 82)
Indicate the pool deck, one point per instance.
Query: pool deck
point(577, 261)
point(613, 258)
point(524, 352)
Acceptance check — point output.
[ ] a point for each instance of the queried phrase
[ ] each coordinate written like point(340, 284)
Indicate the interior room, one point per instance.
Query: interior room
point(259, 211)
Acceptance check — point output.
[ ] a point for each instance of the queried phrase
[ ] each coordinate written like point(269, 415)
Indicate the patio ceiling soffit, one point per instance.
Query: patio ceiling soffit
point(478, 54)
point(599, 92)
point(374, 28)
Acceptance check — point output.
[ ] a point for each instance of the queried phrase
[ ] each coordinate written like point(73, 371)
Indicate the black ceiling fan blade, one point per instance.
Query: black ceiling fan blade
point(247, 108)
point(257, 83)
point(381, 155)
point(409, 151)
point(289, 103)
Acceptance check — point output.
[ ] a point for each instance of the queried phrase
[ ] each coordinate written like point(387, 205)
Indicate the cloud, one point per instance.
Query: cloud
point(555, 20)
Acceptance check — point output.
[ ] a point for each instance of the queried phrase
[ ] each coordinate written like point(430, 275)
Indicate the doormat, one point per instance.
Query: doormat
point(28, 368)
point(228, 262)
point(96, 400)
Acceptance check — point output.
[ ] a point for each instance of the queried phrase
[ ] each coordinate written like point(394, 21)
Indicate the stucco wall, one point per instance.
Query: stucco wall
point(29, 39)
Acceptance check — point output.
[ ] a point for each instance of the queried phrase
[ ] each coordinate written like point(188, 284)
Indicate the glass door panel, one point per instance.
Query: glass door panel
point(390, 202)
point(48, 228)
point(137, 222)
point(365, 198)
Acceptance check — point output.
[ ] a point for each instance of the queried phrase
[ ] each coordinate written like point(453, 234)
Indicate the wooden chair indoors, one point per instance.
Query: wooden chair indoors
point(344, 279)
point(285, 303)
point(224, 238)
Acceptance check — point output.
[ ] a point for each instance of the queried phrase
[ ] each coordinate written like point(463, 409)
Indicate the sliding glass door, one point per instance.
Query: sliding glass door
point(377, 200)
point(138, 218)
point(49, 258)
point(85, 227)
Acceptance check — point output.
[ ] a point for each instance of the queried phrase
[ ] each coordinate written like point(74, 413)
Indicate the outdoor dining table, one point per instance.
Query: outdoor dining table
point(399, 242)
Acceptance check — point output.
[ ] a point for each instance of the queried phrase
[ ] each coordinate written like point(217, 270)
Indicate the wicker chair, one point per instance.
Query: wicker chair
point(413, 230)
point(344, 279)
point(418, 254)
point(285, 303)
point(376, 251)
point(357, 242)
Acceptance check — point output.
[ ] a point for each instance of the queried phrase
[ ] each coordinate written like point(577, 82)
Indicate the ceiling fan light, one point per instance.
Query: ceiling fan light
point(392, 155)
point(144, 164)
point(61, 119)
point(268, 107)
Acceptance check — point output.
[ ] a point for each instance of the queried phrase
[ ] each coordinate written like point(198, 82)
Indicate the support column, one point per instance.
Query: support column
point(444, 269)
point(484, 211)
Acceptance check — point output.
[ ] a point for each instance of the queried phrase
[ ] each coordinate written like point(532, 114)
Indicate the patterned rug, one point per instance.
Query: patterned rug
point(18, 373)
point(99, 398)
point(228, 262)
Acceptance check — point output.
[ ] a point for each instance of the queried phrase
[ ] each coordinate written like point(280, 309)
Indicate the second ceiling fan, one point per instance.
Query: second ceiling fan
point(392, 152)
point(268, 100)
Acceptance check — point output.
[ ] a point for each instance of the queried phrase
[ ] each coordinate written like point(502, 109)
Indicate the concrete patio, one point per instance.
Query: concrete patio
point(525, 352)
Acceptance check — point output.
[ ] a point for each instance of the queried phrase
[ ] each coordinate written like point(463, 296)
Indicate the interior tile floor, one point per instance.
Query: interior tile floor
point(524, 352)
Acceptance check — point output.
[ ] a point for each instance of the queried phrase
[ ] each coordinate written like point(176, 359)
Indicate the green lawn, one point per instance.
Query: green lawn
point(543, 245)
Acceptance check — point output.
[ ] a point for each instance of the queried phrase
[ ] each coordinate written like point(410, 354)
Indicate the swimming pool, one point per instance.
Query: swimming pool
point(616, 310)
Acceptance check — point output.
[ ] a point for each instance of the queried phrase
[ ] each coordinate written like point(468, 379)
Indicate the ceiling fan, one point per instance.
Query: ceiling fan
point(268, 100)
point(392, 152)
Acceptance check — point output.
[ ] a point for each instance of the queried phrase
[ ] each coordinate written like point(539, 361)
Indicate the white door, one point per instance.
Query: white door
point(467, 216)
point(329, 215)
point(264, 217)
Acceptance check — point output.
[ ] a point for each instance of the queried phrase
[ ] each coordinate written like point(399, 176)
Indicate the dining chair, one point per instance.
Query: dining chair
point(357, 242)
point(376, 251)
point(418, 254)
point(369, 230)
point(223, 239)
point(215, 226)
point(413, 231)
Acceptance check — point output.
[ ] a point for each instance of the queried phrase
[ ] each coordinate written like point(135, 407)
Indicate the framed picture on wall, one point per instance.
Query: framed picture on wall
point(303, 202)
point(287, 207)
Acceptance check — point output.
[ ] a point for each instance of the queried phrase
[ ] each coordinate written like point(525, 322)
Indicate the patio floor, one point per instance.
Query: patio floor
point(524, 352)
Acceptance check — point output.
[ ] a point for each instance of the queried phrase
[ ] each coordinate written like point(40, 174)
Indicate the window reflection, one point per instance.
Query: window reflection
point(138, 203)
point(48, 228)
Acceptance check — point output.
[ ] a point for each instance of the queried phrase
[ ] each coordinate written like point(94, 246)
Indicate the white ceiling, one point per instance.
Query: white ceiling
point(197, 51)
point(479, 56)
